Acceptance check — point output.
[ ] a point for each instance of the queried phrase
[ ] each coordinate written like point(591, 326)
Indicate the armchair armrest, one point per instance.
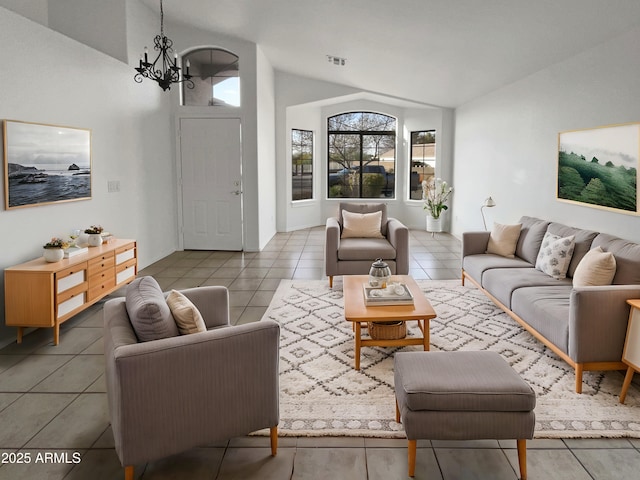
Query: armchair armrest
point(598, 320)
point(474, 243)
point(212, 302)
point(331, 245)
point(195, 389)
point(398, 236)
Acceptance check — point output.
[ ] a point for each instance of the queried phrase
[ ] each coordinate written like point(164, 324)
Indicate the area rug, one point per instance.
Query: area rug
point(321, 393)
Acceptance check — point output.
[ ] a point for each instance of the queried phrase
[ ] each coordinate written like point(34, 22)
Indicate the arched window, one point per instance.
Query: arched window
point(215, 76)
point(362, 155)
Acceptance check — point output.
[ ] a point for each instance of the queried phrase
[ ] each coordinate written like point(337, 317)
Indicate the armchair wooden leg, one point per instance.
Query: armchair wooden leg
point(412, 457)
point(579, 370)
point(397, 412)
point(330, 281)
point(274, 440)
point(129, 472)
point(522, 458)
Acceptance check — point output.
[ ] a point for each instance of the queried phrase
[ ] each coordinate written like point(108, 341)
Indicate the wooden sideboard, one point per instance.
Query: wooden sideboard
point(42, 294)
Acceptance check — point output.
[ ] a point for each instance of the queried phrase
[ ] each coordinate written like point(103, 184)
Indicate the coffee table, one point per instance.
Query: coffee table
point(357, 312)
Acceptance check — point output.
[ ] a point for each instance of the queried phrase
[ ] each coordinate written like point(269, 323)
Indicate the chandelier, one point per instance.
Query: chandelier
point(168, 71)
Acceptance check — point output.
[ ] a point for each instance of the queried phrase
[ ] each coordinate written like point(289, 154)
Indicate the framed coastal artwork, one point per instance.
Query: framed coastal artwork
point(598, 167)
point(45, 164)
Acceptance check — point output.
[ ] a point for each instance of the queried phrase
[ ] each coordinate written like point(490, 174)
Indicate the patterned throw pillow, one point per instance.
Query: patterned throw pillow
point(555, 255)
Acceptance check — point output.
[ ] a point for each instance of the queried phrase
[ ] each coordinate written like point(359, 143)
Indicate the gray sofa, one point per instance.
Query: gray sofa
point(354, 256)
point(585, 326)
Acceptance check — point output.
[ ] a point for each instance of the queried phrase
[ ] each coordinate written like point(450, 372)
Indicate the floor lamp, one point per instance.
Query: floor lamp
point(488, 202)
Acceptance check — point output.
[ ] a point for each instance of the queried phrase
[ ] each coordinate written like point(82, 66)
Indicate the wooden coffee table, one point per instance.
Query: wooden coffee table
point(357, 312)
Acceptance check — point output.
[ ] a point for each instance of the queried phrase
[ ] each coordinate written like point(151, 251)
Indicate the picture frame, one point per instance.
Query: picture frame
point(45, 164)
point(598, 167)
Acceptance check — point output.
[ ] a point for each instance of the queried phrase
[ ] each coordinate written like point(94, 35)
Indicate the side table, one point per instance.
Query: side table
point(631, 352)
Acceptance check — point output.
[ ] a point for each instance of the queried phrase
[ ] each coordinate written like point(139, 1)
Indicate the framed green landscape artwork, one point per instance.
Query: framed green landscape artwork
point(599, 167)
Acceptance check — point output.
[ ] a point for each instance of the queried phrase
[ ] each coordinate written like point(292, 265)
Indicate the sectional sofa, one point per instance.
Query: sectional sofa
point(585, 325)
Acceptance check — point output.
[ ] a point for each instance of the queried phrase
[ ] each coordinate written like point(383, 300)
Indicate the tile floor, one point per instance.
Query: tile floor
point(53, 403)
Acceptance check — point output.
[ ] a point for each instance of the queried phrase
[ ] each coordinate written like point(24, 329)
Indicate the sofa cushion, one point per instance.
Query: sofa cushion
point(555, 255)
point(531, 235)
point(596, 268)
point(476, 265)
point(365, 249)
point(148, 311)
point(361, 225)
point(187, 317)
point(502, 282)
point(503, 239)
point(627, 258)
point(364, 208)
point(546, 309)
point(583, 241)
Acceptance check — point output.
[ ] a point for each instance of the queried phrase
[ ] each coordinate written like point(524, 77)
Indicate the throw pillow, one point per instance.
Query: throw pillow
point(185, 313)
point(555, 254)
point(148, 311)
point(503, 239)
point(596, 268)
point(361, 225)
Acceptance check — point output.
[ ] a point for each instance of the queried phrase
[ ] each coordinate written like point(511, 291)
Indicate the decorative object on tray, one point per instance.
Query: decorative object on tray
point(54, 249)
point(379, 274)
point(95, 237)
point(74, 250)
point(393, 294)
point(387, 330)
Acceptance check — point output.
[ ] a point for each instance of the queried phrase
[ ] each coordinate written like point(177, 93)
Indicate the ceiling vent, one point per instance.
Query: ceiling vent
point(336, 60)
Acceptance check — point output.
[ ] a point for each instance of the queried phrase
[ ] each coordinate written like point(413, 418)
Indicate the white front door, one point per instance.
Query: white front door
point(211, 183)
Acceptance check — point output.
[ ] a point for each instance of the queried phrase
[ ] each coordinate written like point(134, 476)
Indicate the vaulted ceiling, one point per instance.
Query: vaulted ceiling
point(439, 52)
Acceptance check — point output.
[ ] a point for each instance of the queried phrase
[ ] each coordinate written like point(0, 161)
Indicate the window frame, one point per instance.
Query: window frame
point(411, 188)
point(361, 134)
point(311, 163)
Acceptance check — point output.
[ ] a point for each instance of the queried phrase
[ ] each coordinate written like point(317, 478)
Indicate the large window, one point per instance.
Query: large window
point(362, 155)
point(215, 77)
point(301, 164)
point(423, 161)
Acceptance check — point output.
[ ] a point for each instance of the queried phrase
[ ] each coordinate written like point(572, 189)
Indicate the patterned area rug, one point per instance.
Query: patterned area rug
point(321, 393)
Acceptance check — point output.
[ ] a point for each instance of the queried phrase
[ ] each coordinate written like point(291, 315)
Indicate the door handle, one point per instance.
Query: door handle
point(236, 192)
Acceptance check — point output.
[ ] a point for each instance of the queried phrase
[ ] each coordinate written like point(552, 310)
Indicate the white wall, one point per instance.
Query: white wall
point(266, 168)
point(99, 24)
point(36, 10)
point(506, 142)
point(56, 80)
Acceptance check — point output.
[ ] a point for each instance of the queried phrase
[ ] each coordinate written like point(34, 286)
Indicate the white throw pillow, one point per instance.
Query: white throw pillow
point(503, 239)
point(555, 255)
point(596, 268)
point(185, 313)
point(361, 225)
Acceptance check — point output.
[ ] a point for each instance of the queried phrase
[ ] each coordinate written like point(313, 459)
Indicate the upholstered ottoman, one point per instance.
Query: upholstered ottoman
point(462, 396)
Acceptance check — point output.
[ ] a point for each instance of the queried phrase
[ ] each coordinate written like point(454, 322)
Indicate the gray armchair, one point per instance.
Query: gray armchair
point(354, 256)
point(170, 395)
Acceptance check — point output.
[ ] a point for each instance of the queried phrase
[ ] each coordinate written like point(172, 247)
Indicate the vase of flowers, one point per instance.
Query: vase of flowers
point(435, 194)
point(95, 235)
point(54, 249)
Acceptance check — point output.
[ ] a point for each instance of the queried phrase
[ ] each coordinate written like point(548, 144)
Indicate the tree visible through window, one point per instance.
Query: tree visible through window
point(362, 155)
point(423, 161)
point(215, 77)
point(301, 164)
